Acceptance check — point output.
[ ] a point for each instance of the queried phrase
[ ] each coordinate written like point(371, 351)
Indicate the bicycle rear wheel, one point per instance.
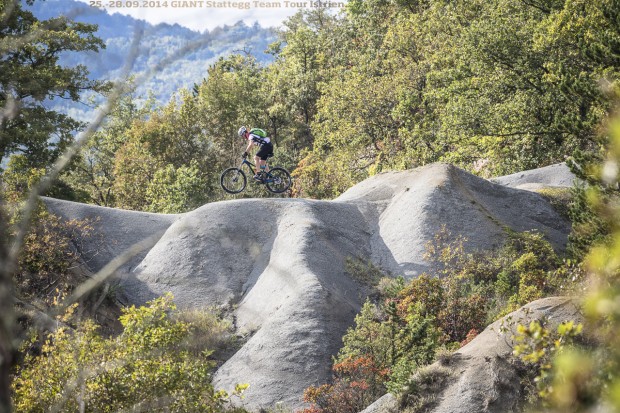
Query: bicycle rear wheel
point(278, 180)
point(233, 180)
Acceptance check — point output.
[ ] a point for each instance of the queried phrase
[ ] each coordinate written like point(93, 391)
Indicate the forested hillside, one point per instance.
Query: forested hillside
point(157, 42)
point(492, 86)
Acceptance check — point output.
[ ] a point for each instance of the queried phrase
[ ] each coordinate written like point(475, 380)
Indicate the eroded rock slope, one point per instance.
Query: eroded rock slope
point(483, 376)
point(280, 263)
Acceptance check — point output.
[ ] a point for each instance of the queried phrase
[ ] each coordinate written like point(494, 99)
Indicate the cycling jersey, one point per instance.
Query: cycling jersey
point(259, 140)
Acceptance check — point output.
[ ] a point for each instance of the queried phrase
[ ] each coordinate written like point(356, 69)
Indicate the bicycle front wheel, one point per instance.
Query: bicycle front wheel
point(278, 180)
point(233, 180)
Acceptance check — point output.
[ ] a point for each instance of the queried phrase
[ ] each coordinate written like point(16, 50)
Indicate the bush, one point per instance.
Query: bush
point(146, 367)
point(422, 387)
point(364, 272)
point(209, 331)
point(537, 345)
point(49, 262)
point(586, 379)
point(358, 382)
point(411, 321)
point(560, 199)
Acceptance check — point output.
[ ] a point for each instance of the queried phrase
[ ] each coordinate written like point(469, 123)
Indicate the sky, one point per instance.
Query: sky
point(204, 15)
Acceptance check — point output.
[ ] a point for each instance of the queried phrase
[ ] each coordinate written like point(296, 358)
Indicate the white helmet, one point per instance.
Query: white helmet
point(242, 131)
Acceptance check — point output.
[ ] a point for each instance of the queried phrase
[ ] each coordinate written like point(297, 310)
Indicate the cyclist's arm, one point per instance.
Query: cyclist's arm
point(249, 146)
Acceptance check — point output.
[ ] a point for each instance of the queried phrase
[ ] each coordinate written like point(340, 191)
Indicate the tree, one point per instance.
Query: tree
point(176, 190)
point(30, 75)
point(134, 168)
point(93, 170)
point(148, 158)
point(492, 86)
point(228, 98)
point(312, 46)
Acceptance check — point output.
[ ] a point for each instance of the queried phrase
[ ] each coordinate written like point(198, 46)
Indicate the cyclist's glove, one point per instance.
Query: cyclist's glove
point(245, 155)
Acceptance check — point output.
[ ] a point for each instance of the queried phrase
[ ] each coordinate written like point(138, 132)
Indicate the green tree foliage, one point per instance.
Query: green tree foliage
point(586, 379)
point(30, 74)
point(358, 136)
point(175, 133)
point(306, 48)
point(228, 98)
point(147, 158)
point(18, 178)
point(176, 190)
point(145, 367)
point(93, 172)
point(134, 168)
point(493, 86)
point(169, 159)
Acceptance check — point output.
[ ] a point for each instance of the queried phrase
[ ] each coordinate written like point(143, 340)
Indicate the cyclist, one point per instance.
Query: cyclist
point(257, 137)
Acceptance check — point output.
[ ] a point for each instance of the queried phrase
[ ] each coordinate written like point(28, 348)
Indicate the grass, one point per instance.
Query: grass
point(421, 392)
point(363, 271)
point(559, 198)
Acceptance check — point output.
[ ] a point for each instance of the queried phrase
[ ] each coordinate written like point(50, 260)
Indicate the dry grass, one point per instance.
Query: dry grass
point(211, 332)
point(420, 393)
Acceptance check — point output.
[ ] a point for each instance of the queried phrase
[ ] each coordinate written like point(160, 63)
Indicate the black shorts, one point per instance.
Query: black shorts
point(265, 151)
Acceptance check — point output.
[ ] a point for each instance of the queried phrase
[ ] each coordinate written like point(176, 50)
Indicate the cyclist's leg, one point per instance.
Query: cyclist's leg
point(257, 162)
point(263, 153)
point(268, 153)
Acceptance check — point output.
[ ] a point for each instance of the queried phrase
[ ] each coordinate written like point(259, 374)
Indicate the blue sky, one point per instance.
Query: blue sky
point(200, 15)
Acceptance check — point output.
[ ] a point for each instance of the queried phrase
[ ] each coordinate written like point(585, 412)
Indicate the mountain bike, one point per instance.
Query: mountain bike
point(234, 180)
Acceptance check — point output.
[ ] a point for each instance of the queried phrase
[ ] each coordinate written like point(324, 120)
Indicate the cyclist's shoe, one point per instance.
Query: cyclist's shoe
point(259, 177)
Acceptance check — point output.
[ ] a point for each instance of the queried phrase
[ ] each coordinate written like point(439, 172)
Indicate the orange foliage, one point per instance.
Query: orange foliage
point(470, 336)
point(358, 381)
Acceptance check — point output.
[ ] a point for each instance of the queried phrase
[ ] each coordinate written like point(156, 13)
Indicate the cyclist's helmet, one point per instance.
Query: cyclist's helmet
point(242, 131)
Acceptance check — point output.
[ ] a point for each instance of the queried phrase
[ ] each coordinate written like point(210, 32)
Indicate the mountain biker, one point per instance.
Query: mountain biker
point(257, 137)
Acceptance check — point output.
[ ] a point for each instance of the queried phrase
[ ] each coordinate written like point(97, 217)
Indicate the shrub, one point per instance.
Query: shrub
point(49, 262)
point(410, 321)
point(209, 331)
point(421, 390)
point(587, 379)
point(561, 199)
point(372, 337)
point(589, 226)
point(425, 293)
point(146, 367)
point(364, 272)
point(358, 382)
point(50, 259)
point(537, 345)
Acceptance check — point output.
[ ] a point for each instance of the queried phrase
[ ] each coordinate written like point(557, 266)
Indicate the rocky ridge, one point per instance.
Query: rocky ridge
point(281, 263)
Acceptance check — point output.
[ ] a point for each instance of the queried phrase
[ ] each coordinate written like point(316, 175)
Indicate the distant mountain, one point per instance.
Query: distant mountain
point(117, 31)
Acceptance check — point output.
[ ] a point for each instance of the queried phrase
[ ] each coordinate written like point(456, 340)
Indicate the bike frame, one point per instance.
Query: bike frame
point(251, 166)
